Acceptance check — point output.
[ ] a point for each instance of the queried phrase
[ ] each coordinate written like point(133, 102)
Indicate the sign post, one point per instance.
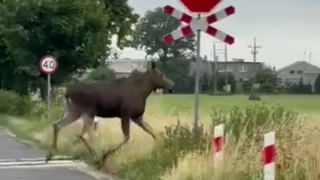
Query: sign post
point(197, 25)
point(48, 65)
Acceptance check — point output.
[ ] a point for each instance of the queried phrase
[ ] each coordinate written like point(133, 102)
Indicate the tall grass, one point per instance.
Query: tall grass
point(179, 156)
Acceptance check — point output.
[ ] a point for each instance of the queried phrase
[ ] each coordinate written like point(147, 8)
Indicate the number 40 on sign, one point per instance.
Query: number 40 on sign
point(48, 64)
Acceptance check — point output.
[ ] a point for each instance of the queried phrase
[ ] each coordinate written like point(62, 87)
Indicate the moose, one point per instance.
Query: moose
point(124, 98)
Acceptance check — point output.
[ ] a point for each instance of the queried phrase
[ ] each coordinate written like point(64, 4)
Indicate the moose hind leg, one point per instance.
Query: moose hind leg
point(87, 119)
point(145, 126)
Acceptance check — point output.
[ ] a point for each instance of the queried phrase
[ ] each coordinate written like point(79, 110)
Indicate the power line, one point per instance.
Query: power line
point(254, 49)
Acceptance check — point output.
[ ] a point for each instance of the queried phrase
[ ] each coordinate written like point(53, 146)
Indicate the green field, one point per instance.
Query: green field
point(176, 152)
point(301, 103)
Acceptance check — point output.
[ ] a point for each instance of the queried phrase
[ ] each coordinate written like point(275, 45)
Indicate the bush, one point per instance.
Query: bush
point(14, 104)
point(178, 141)
point(244, 130)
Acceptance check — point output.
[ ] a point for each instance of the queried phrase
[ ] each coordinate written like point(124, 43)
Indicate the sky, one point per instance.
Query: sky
point(287, 30)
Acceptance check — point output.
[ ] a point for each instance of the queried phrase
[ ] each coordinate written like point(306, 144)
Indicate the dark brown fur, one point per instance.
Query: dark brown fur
point(124, 98)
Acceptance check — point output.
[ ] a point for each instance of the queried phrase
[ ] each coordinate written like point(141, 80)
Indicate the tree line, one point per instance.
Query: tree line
point(78, 33)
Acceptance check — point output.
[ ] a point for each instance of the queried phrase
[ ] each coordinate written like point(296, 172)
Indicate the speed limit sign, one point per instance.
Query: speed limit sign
point(48, 64)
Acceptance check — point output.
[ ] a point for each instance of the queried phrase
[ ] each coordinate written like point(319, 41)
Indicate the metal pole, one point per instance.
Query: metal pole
point(215, 74)
point(197, 84)
point(49, 93)
point(254, 50)
point(226, 71)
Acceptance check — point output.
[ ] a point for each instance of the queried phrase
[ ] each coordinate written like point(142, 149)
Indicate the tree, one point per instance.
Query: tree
point(221, 81)
point(148, 36)
point(77, 32)
point(267, 79)
point(317, 85)
point(121, 20)
point(177, 71)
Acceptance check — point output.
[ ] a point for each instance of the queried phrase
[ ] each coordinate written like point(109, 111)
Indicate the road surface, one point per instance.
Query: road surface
point(31, 168)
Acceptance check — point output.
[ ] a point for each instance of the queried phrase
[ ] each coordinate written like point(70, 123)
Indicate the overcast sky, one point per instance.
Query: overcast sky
point(285, 29)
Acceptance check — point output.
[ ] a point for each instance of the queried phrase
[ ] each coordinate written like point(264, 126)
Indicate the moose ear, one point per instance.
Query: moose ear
point(153, 65)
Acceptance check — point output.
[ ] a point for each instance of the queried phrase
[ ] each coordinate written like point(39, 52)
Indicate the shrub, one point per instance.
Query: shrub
point(244, 134)
point(14, 104)
point(178, 141)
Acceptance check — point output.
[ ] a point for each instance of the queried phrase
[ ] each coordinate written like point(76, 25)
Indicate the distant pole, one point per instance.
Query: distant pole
point(310, 55)
point(254, 49)
point(215, 74)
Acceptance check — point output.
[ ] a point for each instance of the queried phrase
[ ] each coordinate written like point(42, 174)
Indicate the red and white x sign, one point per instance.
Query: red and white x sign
point(202, 24)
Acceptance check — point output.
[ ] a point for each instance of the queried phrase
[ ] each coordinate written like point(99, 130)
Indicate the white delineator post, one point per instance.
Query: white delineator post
point(268, 154)
point(218, 144)
point(96, 125)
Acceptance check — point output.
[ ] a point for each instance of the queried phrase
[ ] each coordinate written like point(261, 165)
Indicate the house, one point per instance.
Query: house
point(242, 70)
point(123, 67)
point(293, 73)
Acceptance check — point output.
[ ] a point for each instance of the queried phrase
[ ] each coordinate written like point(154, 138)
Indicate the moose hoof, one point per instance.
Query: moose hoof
point(49, 156)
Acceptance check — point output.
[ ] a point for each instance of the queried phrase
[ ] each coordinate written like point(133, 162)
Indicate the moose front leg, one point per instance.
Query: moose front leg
point(145, 126)
point(125, 126)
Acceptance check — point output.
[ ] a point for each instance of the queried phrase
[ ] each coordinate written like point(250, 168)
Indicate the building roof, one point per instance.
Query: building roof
point(306, 66)
point(128, 65)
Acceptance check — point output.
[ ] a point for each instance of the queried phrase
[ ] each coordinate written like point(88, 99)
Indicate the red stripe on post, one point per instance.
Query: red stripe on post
point(217, 144)
point(269, 153)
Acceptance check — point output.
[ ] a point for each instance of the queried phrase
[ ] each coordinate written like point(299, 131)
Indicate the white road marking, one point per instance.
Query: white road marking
point(39, 163)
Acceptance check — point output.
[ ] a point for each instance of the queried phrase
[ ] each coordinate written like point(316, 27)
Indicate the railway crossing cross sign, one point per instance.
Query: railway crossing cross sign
point(196, 25)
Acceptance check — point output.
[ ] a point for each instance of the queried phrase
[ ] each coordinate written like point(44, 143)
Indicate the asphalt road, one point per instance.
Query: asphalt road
point(11, 148)
point(43, 174)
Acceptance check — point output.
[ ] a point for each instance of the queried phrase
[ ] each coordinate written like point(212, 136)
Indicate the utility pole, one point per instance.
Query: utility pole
point(222, 50)
point(310, 55)
point(215, 70)
point(226, 68)
point(254, 49)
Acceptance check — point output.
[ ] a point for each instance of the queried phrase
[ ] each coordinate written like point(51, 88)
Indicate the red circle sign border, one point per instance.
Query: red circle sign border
point(45, 57)
point(186, 3)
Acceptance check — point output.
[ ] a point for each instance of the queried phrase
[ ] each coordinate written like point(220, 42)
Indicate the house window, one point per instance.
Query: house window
point(300, 72)
point(243, 69)
point(292, 72)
